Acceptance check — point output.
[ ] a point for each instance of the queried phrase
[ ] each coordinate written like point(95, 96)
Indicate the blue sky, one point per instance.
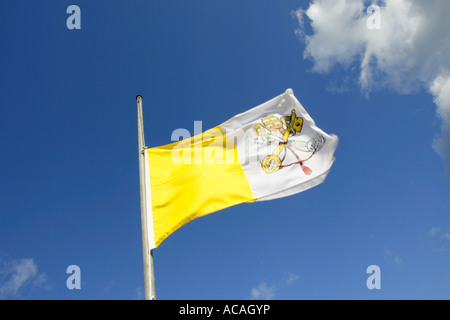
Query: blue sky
point(69, 164)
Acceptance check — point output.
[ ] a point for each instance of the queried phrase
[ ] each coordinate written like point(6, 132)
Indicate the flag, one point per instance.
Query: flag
point(271, 151)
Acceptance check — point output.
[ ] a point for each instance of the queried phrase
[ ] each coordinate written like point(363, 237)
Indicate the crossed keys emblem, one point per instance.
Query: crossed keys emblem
point(287, 126)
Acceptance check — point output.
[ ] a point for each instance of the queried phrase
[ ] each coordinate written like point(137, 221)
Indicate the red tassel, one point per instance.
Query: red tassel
point(306, 170)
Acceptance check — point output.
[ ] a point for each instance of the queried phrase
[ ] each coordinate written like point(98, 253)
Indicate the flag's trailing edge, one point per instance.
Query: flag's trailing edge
point(268, 152)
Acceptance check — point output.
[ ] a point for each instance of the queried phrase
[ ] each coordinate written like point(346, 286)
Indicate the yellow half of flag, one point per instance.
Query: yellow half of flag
point(203, 183)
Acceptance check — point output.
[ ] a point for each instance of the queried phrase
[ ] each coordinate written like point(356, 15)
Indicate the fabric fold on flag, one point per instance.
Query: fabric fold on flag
point(271, 151)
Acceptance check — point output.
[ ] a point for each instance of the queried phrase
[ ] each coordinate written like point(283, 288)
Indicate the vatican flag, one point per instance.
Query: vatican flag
point(271, 151)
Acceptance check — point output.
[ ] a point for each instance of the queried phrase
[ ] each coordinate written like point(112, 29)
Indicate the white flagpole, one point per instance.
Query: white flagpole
point(149, 274)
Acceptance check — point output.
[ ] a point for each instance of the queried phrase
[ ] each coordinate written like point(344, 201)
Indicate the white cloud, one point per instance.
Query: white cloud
point(139, 293)
point(438, 231)
point(396, 258)
point(291, 278)
point(440, 88)
point(437, 235)
point(410, 52)
point(434, 231)
point(263, 292)
point(16, 274)
point(111, 284)
point(398, 261)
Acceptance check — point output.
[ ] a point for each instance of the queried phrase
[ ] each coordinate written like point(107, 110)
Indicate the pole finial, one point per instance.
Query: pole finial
point(138, 97)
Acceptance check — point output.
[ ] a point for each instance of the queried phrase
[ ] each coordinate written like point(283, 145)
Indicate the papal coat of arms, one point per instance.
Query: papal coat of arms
point(283, 129)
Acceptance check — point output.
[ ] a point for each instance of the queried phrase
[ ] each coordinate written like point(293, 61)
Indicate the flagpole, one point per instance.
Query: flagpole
point(149, 274)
